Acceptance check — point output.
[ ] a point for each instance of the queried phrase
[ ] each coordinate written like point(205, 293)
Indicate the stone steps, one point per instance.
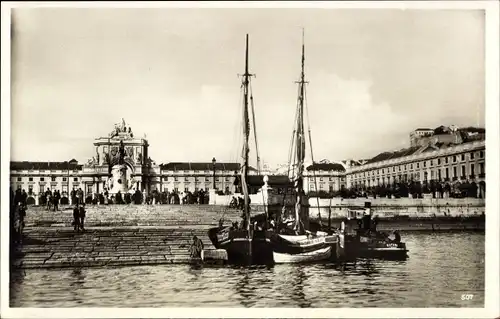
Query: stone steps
point(51, 247)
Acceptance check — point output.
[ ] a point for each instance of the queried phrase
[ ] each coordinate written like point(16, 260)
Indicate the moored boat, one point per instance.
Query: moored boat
point(366, 242)
point(298, 243)
point(243, 244)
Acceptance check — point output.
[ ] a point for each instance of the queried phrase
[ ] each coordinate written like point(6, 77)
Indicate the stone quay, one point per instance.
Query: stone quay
point(127, 235)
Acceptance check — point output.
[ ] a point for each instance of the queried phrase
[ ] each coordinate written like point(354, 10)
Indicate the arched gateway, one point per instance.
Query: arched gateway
point(120, 163)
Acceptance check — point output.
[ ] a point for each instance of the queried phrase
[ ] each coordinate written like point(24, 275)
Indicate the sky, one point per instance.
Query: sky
point(172, 74)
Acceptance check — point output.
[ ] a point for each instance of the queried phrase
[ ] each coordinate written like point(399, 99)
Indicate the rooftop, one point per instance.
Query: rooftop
point(25, 165)
point(326, 167)
point(201, 166)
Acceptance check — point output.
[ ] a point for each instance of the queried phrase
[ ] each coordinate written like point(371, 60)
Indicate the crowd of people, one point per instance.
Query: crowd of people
point(413, 189)
point(155, 197)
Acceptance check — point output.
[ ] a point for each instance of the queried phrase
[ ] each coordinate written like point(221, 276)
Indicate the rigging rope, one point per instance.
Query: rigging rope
point(290, 152)
point(257, 147)
point(312, 157)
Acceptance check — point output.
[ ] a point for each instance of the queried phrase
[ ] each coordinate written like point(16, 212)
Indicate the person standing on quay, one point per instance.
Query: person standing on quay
point(82, 217)
point(79, 195)
point(76, 218)
point(57, 197)
point(48, 198)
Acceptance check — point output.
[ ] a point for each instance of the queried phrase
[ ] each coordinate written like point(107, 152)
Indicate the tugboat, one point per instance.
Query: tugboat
point(364, 241)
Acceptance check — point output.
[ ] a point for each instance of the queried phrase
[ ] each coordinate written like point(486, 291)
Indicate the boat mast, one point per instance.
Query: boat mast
point(300, 146)
point(246, 134)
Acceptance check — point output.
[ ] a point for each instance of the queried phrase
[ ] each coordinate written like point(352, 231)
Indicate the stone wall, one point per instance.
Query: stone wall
point(412, 207)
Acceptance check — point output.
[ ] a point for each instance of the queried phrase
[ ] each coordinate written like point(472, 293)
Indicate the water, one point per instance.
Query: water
point(441, 268)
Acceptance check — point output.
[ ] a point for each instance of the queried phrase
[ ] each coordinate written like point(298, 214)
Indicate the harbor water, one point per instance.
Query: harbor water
point(442, 268)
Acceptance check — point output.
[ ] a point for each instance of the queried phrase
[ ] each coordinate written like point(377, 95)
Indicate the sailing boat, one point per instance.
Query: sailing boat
point(300, 244)
point(240, 242)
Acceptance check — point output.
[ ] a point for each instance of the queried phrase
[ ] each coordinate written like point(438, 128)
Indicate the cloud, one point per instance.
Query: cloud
point(354, 122)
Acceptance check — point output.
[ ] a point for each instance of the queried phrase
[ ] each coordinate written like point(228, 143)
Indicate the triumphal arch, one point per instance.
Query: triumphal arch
point(121, 163)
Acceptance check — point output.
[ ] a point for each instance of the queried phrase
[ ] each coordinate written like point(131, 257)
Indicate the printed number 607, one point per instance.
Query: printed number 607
point(467, 297)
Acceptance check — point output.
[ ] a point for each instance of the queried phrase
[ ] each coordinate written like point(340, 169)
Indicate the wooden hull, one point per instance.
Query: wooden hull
point(290, 244)
point(241, 249)
point(311, 256)
point(368, 248)
point(267, 247)
point(387, 253)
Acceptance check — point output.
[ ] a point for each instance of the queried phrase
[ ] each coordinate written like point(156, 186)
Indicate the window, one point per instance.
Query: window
point(446, 159)
point(186, 179)
point(425, 163)
point(399, 168)
point(53, 178)
point(176, 190)
point(216, 179)
point(393, 169)
point(186, 189)
point(463, 170)
point(418, 165)
point(383, 171)
point(64, 179)
point(176, 179)
point(431, 162)
point(405, 167)
point(30, 189)
point(331, 179)
point(454, 171)
point(472, 169)
point(227, 179)
point(471, 155)
point(481, 154)
point(432, 174)
point(454, 159)
point(42, 179)
point(439, 161)
point(30, 179)
point(321, 179)
point(165, 179)
point(75, 179)
point(19, 179)
point(462, 157)
point(207, 179)
point(481, 168)
point(447, 175)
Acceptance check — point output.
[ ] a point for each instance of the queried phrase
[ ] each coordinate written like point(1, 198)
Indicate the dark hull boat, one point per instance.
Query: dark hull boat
point(388, 251)
point(266, 247)
point(242, 248)
point(364, 241)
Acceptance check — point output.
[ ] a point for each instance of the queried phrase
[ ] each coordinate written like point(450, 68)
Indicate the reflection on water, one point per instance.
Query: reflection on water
point(442, 267)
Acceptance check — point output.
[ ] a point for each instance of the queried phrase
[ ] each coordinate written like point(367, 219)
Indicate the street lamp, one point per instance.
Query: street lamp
point(213, 167)
point(67, 181)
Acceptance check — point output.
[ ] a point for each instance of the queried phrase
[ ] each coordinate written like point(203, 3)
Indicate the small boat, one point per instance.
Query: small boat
point(312, 256)
point(364, 241)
